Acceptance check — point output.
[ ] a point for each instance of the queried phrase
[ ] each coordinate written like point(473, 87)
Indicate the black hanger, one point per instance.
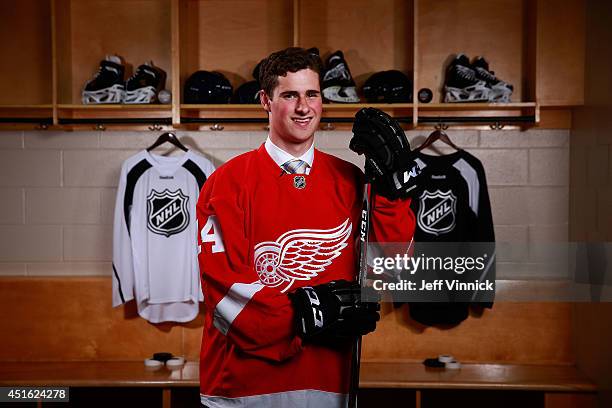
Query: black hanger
point(438, 134)
point(167, 137)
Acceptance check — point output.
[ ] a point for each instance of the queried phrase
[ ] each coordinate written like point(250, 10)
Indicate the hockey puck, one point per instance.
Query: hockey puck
point(445, 358)
point(151, 363)
point(425, 95)
point(164, 96)
point(163, 357)
point(453, 365)
point(433, 363)
point(175, 362)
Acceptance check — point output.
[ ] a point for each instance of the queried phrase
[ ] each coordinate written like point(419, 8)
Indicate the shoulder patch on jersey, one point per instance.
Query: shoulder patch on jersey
point(167, 212)
point(299, 254)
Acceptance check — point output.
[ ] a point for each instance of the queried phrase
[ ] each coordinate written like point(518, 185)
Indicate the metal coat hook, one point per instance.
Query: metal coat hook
point(216, 126)
point(328, 126)
point(155, 127)
point(441, 126)
point(42, 126)
point(100, 127)
point(496, 126)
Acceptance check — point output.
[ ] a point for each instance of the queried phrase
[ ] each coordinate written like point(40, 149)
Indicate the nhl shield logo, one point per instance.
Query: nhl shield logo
point(437, 212)
point(167, 212)
point(299, 182)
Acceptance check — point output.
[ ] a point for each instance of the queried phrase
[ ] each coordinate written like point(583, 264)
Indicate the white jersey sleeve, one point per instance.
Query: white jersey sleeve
point(123, 267)
point(123, 261)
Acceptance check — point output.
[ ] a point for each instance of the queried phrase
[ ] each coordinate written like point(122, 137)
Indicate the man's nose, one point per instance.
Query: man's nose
point(302, 105)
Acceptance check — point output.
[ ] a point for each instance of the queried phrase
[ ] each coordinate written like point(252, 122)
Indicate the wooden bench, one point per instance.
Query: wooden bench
point(556, 386)
point(63, 331)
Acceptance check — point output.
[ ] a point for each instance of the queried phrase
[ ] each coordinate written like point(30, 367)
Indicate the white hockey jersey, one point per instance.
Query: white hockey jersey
point(155, 235)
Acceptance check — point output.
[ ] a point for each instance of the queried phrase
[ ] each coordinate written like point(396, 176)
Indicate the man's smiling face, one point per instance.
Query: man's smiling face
point(295, 110)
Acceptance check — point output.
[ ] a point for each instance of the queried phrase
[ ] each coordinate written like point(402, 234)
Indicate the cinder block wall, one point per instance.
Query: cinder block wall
point(58, 190)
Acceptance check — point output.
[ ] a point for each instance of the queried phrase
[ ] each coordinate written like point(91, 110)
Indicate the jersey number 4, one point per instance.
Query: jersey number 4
point(212, 233)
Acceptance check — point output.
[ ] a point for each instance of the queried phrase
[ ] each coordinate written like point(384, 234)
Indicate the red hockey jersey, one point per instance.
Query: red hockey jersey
point(264, 233)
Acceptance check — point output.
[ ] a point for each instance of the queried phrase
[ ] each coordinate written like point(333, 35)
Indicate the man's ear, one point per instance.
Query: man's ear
point(265, 100)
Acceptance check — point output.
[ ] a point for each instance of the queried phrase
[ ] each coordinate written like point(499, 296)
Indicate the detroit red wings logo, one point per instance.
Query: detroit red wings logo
point(299, 254)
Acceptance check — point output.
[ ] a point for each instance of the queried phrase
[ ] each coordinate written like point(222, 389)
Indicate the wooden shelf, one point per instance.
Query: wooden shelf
point(18, 116)
point(417, 37)
point(449, 107)
point(475, 376)
point(241, 117)
point(256, 111)
point(399, 110)
point(97, 374)
point(523, 114)
point(25, 110)
point(409, 375)
point(70, 111)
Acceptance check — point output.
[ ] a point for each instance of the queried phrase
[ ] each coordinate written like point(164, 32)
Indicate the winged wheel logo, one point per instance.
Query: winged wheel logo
point(299, 254)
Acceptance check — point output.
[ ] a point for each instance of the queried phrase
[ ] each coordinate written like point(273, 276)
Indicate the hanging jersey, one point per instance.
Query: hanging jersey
point(452, 205)
point(264, 233)
point(154, 237)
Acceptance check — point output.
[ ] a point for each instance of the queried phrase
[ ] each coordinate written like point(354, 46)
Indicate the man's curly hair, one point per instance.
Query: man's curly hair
point(292, 59)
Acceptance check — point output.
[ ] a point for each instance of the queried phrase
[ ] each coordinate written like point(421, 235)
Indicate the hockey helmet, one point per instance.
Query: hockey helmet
point(247, 93)
point(207, 87)
point(388, 86)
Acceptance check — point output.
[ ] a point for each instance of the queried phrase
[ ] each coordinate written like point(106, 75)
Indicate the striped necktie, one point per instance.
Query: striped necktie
point(295, 166)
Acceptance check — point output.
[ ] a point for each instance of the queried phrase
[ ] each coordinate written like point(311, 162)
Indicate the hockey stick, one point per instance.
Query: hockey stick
point(364, 229)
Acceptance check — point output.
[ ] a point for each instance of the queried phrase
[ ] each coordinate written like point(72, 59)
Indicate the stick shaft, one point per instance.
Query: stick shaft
point(364, 229)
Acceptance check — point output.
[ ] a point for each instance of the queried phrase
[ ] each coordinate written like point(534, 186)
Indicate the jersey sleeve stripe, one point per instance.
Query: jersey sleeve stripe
point(119, 289)
point(196, 171)
point(232, 304)
point(471, 178)
point(132, 178)
point(488, 268)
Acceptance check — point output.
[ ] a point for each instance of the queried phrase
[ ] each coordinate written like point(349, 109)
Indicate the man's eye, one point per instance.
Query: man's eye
point(289, 96)
point(313, 95)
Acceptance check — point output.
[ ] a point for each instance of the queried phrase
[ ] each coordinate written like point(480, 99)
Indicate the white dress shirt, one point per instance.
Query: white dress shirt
point(281, 157)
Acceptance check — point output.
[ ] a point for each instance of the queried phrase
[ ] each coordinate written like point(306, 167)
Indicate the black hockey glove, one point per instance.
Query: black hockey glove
point(390, 164)
point(333, 311)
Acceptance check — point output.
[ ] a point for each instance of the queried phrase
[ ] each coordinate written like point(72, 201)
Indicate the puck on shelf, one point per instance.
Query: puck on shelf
point(164, 96)
point(445, 358)
point(433, 363)
point(163, 357)
point(425, 95)
point(175, 362)
point(453, 365)
point(151, 363)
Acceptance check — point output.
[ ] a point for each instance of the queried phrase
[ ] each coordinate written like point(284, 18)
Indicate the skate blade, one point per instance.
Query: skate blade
point(337, 93)
point(110, 95)
point(472, 94)
point(141, 96)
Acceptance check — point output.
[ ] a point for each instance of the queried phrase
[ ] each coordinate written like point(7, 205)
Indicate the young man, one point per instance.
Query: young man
point(278, 255)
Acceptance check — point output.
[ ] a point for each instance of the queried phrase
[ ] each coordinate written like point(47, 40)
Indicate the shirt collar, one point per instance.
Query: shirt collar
point(280, 156)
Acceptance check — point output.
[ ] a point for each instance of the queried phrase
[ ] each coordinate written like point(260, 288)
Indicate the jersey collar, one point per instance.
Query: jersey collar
point(280, 156)
point(166, 165)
